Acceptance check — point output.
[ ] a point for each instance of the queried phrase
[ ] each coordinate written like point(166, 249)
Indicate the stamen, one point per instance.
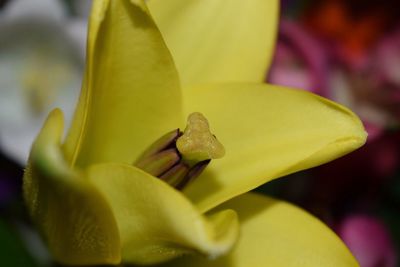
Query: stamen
point(194, 172)
point(166, 141)
point(176, 175)
point(197, 142)
point(159, 163)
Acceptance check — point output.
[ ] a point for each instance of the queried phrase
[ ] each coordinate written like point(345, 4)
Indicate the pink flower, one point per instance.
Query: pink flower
point(368, 240)
point(299, 60)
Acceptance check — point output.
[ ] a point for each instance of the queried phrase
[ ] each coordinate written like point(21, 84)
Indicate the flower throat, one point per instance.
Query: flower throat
point(179, 157)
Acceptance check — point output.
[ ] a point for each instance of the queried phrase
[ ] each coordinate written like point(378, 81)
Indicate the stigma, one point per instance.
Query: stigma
point(179, 157)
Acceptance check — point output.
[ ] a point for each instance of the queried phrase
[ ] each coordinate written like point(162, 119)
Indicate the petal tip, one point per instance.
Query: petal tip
point(226, 233)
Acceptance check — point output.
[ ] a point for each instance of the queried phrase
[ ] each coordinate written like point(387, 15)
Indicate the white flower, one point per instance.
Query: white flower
point(41, 61)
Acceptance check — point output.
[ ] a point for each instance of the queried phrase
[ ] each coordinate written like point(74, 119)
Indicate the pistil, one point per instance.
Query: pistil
point(179, 157)
point(197, 142)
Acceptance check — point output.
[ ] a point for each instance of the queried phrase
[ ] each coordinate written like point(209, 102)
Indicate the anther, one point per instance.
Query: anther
point(160, 162)
point(176, 175)
point(166, 141)
point(194, 172)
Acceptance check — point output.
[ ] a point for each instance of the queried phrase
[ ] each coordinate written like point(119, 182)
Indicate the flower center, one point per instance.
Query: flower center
point(179, 157)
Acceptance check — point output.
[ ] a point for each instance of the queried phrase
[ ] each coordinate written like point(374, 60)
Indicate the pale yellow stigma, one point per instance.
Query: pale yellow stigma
point(197, 142)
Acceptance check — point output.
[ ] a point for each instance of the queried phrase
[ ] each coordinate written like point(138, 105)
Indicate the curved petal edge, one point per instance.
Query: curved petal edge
point(276, 233)
point(156, 222)
point(73, 217)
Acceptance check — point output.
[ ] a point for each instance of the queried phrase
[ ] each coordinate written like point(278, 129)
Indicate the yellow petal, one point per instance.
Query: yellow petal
point(155, 221)
point(275, 233)
point(131, 94)
point(73, 217)
point(268, 131)
point(218, 41)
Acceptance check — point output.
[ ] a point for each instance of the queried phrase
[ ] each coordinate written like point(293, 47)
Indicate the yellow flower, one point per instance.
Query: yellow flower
point(93, 207)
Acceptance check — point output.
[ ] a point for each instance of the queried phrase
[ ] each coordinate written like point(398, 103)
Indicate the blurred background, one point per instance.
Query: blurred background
point(345, 50)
